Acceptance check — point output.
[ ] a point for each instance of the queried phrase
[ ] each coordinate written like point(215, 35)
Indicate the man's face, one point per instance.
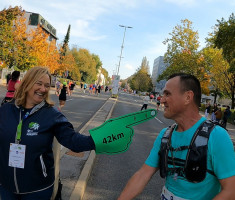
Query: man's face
point(173, 99)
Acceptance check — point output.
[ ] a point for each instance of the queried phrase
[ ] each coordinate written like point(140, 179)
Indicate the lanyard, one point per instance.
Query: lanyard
point(19, 127)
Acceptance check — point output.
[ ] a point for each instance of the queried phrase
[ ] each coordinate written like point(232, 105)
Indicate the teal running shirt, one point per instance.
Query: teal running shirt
point(220, 159)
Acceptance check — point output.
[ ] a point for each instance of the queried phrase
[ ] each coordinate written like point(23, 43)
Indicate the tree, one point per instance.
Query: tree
point(64, 47)
point(86, 64)
point(182, 54)
point(224, 38)
point(98, 61)
point(25, 49)
point(141, 80)
point(14, 50)
point(220, 79)
point(145, 65)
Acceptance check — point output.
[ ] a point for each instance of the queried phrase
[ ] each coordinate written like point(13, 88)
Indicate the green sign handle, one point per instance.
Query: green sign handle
point(115, 135)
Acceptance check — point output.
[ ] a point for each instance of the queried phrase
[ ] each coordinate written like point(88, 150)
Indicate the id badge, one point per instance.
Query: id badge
point(17, 155)
point(167, 195)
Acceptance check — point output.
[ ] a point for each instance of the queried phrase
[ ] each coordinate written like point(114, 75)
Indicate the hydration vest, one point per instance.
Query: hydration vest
point(194, 168)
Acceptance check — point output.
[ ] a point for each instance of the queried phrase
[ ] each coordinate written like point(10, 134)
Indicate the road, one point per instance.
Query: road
point(111, 172)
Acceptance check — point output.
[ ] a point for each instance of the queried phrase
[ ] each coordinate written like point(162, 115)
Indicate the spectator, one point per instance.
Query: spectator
point(12, 86)
point(208, 109)
point(27, 129)
point(214, 109)
point(227, 114)
point(218, 115)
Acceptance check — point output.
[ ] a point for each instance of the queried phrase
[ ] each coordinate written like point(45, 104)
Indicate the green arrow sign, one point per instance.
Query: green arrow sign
point(115, 135)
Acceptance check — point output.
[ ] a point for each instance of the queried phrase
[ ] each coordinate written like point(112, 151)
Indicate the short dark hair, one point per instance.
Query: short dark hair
point(189, 82)
point(15, 75)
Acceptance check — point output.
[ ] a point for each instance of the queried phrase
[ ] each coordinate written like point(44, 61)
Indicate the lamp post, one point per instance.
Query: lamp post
point(122, 45)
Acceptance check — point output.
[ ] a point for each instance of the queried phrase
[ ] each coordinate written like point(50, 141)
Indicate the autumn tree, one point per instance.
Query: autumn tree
point(86, 64)
point(183, 56)
point(14, 50)
point(141, 80)
point(223, 38)
point(98, 61)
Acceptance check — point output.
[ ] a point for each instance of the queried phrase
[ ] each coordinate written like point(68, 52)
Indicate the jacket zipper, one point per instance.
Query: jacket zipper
point(44, 171)
point(15, 179)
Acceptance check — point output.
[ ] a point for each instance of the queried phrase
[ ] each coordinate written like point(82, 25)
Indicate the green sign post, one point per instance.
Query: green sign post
point(115, 135)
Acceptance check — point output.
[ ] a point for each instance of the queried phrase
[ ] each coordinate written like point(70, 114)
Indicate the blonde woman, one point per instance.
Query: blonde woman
point(27, 128)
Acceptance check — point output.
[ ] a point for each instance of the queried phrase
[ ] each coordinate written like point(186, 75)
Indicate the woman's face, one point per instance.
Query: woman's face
point(38, 92)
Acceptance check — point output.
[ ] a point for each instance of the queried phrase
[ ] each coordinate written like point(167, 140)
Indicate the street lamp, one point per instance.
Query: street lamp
point(122, 45)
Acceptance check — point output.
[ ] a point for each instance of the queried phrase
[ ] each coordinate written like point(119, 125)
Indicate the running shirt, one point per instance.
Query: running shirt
point(11, 88)
point(220, 159)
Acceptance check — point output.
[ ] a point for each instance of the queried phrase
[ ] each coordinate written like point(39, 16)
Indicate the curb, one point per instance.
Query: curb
point(81, 184)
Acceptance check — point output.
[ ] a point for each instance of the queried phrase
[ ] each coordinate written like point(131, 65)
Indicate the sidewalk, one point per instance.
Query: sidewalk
point(75, 168)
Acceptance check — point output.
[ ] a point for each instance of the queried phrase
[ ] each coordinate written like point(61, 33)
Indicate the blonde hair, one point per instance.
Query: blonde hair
point(30, 78)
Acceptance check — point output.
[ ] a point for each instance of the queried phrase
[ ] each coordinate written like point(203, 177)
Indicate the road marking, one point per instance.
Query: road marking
point(159, 120)
point(69, 99)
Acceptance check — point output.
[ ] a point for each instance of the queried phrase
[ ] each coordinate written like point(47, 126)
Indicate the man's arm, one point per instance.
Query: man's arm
point(228, 189)
point(137, 182)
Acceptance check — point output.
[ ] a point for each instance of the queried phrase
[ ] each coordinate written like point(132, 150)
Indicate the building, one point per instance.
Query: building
point(158, 67)
point(34, 19)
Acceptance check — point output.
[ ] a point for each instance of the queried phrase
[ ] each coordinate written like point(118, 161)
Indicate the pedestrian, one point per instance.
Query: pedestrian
point(93, 89)
point(81, 84)
point(106, 88)
point(195, 156)
point(151, 97)
point(71, 88)
point(214, 109)
point(226, 115)
point(8, 77)
point(63, 95)
point(13, 85)
point(96, 89)
point(27, 128)
point(90, 88)
point(146, 101)
point(207, 110)
point(99, 89)
point(158, 101)
point(84, 88)
point(58, 86)
point(218, 115)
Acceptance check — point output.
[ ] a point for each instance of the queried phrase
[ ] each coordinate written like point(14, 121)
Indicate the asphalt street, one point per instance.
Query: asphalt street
point(111, 172)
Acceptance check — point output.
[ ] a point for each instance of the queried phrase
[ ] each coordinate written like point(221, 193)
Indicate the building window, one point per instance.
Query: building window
point(33, 19)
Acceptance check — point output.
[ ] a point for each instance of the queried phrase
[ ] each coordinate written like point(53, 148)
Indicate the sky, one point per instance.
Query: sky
point(95, 25)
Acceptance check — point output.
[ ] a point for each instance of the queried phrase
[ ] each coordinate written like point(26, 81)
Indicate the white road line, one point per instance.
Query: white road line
point(159, 120)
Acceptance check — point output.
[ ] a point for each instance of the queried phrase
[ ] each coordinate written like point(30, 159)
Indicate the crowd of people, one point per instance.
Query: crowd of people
point(216, 113)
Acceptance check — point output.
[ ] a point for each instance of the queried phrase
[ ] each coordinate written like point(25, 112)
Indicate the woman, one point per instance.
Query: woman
point(12, 86)
point(214, 109)
point(27, 128)
point(62, 97)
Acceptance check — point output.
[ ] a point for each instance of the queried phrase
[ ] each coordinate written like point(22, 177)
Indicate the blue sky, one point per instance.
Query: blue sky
point(95, 25)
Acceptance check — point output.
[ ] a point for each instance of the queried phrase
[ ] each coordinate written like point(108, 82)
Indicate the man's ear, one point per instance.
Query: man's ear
point(189, 96)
